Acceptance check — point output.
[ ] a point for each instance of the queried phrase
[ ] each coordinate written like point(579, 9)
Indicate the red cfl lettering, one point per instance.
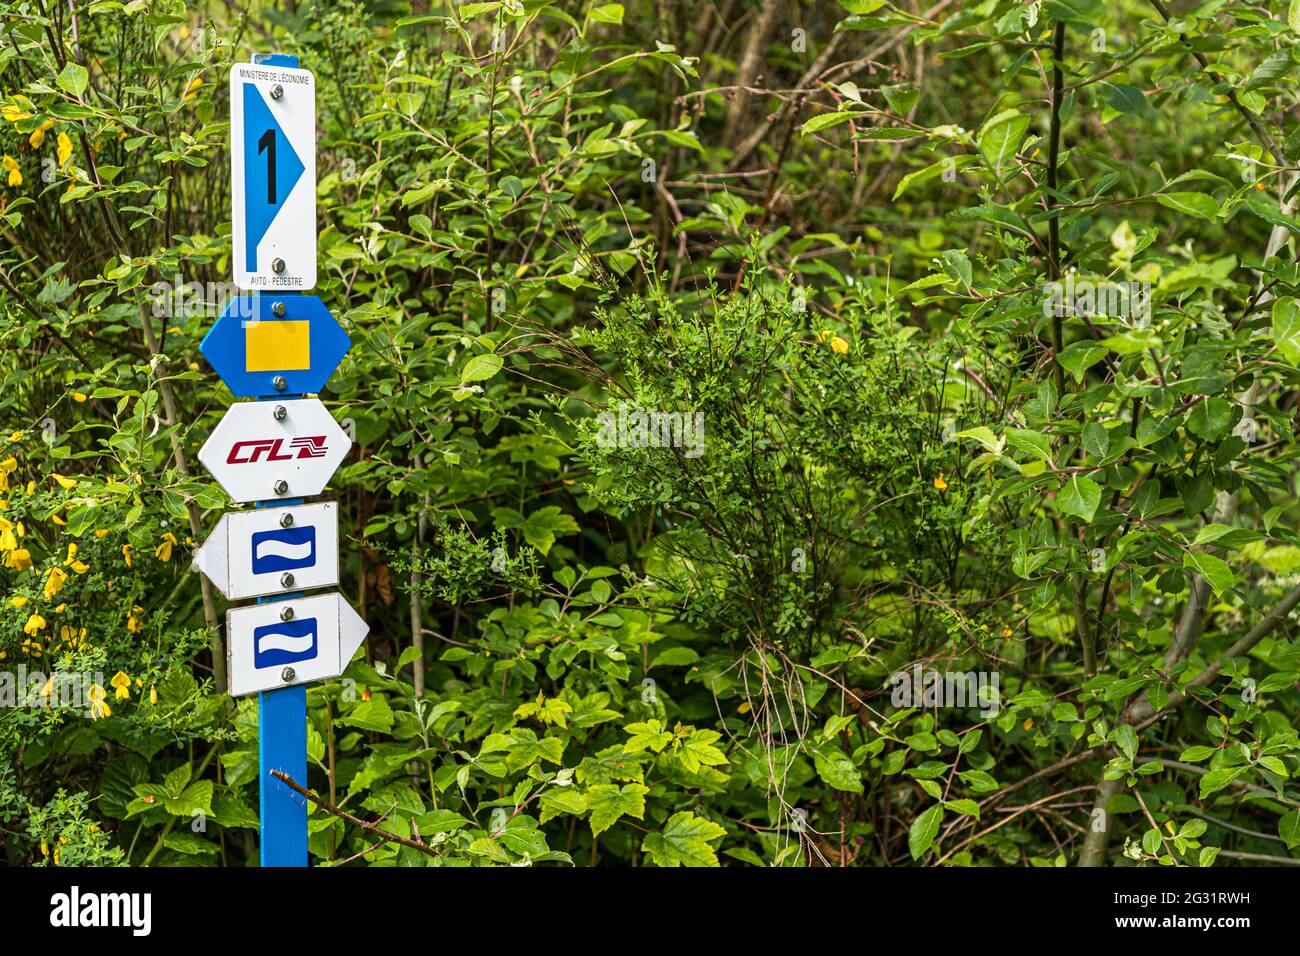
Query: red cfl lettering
point(268, 449)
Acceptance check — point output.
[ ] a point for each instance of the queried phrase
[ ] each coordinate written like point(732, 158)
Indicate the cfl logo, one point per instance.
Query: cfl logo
point(799, 562)
point(1098, 560)
point(649, 693)
point(1248, 692)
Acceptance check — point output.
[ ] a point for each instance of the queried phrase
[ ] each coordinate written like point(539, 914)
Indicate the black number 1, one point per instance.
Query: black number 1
point(267, 144)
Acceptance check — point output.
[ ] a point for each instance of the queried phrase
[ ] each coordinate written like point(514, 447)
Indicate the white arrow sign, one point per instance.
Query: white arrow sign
point(289, 642)
point(269, 450)
point(273, 176)
point(272, 551)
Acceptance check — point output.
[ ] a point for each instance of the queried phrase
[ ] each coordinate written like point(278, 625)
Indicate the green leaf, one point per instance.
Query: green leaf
point(1198, 205)
point(1288, 828)
point(1079, 496)
point(608, 802)
point(481, 368)
point(999, 138)
point(1285, 330)
point(920, 836)
point(606, 13)
point(1214, 570)
point(825, 121)
point(837, 769)
point(1293, 16)
point(1216, 780)
point(684, 841)
point(73, 78)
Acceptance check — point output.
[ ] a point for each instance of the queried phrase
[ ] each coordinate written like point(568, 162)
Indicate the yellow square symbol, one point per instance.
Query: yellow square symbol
point(277, 345)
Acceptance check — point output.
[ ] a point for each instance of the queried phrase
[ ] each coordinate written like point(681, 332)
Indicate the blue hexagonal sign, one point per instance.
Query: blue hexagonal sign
point(275, 344)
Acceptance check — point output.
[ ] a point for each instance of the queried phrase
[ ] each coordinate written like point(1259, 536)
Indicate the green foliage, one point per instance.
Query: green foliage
point(689, 421)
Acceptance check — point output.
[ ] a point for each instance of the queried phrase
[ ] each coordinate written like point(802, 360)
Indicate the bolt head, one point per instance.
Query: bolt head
point(279, 383)
point(280, 412)
point(286, 579)
point(281, 486)
point(286, 520)
point(286, 614)
point(288, 674)
point(277, 309)
point(277, 265)
point(277, 91)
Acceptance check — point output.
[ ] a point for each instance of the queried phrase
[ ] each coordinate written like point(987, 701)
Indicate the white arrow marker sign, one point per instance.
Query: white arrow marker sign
point(269, 450)
point(272, 551)
point(291, 642)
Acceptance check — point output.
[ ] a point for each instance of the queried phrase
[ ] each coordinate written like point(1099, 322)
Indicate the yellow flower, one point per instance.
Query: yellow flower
point(78, 396)
point(98, 707)
point(123, 685)
point(18, 602)
point(60, 609)
point(72, 553)
point(192, 89)
point(65, 150)
point(81, 567)
point(839, 345)
point(164, 550)
point(20, 559)
point(101, 532)
point(54, 582)
point(132, 622)
point(126, 554)
point(67, 484)
point(153, 695)
point(38, 134)
point(13, 113)
point(35, 624)
point(16, 435)
point(940, 483)
point(58, 521)
point(15, 177)
point(7, 540)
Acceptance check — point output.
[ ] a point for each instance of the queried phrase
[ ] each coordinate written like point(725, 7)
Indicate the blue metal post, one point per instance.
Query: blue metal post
point(282, 725)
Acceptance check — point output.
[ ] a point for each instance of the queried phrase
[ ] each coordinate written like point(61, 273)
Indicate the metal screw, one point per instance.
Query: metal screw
point(281, 486)
point(277, 91)
point(280, 412)
point(286, 579)
point(286, 520)
point(288, 674)
point(286, 614)
point(277, 309)
point(279, 383)
point(277, 265)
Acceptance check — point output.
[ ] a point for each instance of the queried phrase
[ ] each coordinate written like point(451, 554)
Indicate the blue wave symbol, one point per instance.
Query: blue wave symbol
point(284, 642)
point(283, 549)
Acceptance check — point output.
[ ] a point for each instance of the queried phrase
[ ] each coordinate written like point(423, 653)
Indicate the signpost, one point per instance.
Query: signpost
point(270, 345)
point(270, 450)
point(272, 551)
point(277, 346)
point(273, 175)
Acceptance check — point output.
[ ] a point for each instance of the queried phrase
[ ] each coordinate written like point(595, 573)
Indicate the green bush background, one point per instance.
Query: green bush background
point(828, 229)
